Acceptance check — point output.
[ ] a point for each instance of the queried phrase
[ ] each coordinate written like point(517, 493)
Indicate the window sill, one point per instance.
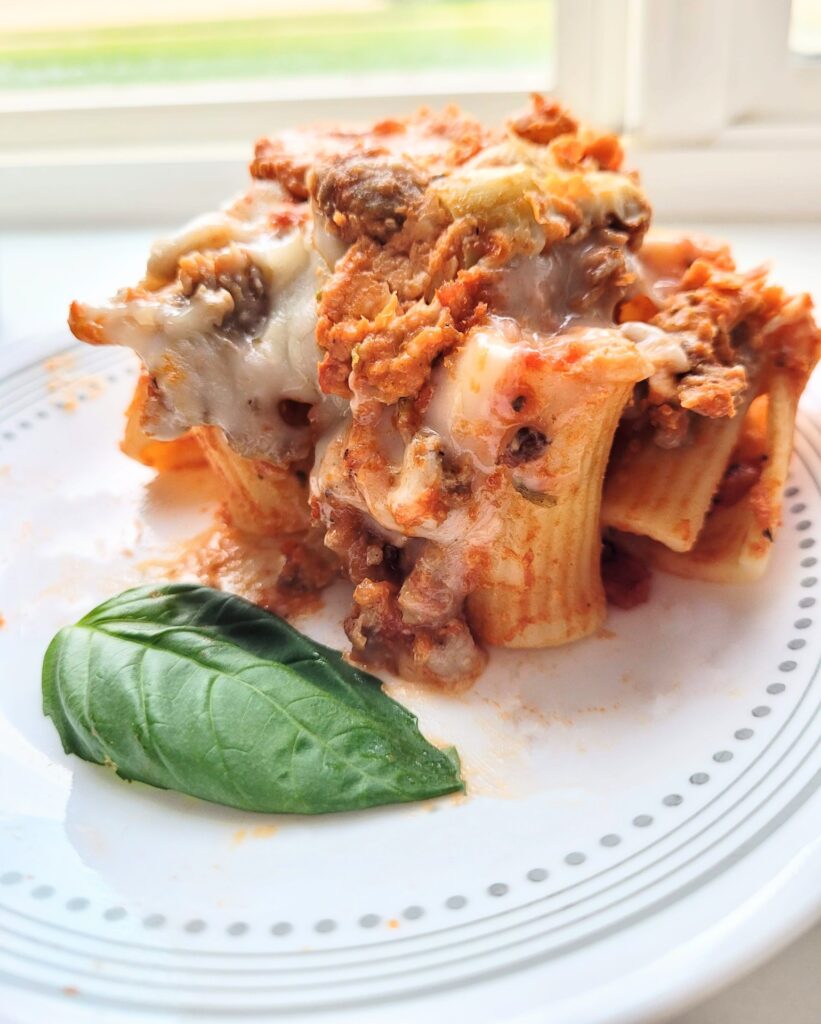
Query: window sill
point(153, 154)
point(750, 172)
point(216, 112)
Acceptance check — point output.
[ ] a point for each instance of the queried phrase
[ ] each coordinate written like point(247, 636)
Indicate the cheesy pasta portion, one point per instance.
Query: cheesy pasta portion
point(456, 356)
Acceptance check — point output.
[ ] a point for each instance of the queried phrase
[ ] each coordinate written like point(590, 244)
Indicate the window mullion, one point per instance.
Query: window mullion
point(682, 70)
point(760, 58)
point(592, 59)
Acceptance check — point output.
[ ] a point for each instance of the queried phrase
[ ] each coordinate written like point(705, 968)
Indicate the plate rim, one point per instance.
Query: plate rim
point(662, 993)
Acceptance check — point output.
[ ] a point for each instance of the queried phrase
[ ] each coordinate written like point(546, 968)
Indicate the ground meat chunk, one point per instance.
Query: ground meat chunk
point(457, 477)
point(526, 445)
point(626, 580)
point(364, 555)
point(716, 316)
point(585, 148)
point(445, 655)
point(713, 391)
point(361, 195)
point(602, 270)
point(380, 322)
point(288, 157)
point(438, 142)
point(308, 567)
point(710, 304)
point(432, 593)
point(671, 425)
point(637, 308)
point(234, 271)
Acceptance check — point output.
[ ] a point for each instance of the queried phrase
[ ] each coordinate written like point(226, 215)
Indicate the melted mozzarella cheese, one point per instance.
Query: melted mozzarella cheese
point(329, 247)
point(524, 192)
point(505, 377)
point(466, 393)
point(602, 195)
point(242, 220)
point(287, 344)
point(206, 374)
point(237, 383)
point(665, 351)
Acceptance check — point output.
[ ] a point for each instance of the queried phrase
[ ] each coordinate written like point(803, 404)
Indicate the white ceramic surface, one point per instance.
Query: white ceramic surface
point(642, 821)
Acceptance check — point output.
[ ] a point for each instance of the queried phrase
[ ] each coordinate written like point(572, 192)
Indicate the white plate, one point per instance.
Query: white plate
point(642, 822)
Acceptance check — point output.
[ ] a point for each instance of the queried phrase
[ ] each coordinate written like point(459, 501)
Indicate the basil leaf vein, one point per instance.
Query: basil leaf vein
point(188, 688)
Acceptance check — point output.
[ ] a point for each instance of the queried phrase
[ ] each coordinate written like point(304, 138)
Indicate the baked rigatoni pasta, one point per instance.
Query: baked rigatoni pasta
point(261, 496)
point(418, 340)
point(665, 493)
point(183, 452)
point(745, 507)
point(548, 505)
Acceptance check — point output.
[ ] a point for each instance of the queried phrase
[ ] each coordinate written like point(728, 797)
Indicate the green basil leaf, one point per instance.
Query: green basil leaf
point(191, 689)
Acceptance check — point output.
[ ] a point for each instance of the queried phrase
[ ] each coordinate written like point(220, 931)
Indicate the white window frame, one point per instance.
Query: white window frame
point(720, 118)
point(715, 135)
point(67, 157)
point(768, 81)
point(709, 66)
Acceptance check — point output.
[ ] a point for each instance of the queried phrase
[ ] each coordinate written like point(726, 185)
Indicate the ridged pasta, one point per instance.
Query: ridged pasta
point(262, 498)
point(442, 327)
point(181, 453)
point(542, 584)
point(665, 494)
point(735, 544)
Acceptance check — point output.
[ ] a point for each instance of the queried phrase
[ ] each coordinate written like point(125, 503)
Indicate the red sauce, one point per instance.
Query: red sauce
point(626, 579)
point(740, 478)
point(284, 575)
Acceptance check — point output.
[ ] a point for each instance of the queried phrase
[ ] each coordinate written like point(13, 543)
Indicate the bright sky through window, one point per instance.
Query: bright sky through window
point(50, 43)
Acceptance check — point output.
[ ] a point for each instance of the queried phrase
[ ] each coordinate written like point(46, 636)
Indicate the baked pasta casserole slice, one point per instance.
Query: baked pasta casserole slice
point(456, 356)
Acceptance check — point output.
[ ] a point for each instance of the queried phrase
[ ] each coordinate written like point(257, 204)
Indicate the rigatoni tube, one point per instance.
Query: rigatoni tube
point(540, 585)
point(261, 497)
point(665, 493)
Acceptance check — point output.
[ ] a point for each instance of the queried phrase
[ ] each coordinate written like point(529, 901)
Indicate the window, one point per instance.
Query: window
point(51, 43)
point(159, 101)
point(724, 118)
point(92, 78)
point(692, 69)
point(774, 77)
point(805, 28)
